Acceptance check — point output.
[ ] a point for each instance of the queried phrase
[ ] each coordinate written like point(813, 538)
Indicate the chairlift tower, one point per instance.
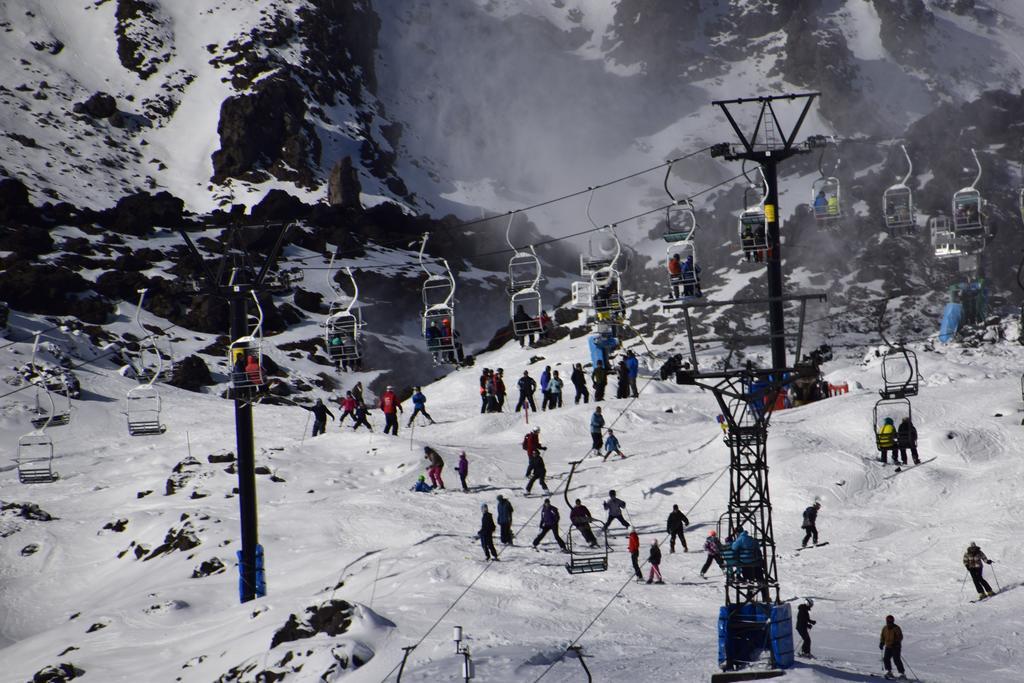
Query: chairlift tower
point(753, 618)
point(237, 279)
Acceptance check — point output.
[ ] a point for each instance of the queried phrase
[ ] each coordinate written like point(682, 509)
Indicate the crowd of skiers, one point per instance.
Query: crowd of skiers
point(353, 406)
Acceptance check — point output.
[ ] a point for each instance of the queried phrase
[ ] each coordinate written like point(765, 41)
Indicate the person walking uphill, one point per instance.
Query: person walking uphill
point(486, 533)
point(548, 522)
point(505, 519)
point(675, 526)
point(596, 424)
point(538, 470)
point(527, 388)
point(810, 524)
point(320, 413)
point(434, 466)
point(579, 382)
point(891, 644)
point(531, 444)
point(714, 550)
point(419, 405)
point(974, 561)
point(804, 623)
point(633, 546)
point(390, 406)
point(654, 559)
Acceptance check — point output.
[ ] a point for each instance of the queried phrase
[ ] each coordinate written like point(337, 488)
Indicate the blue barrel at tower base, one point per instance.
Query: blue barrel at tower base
point(745, 631)
point(261, 581)
point(601, 347)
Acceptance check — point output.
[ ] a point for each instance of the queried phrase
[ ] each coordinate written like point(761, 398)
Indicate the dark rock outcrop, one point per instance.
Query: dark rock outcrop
point(191, 373)
point(100, 105)
point(343, 187)
point(57, 673)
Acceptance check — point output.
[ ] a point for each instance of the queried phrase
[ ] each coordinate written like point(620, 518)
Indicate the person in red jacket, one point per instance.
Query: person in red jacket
point(390, 406)
point(634, 552)
point(348, 408)
point(253, 371)
point(531, 444)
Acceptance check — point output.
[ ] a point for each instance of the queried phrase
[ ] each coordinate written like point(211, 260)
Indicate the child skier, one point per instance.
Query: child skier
point(633, 545)
point(654, 558)
point(611, 445)
point(463, 469)
point(714, 551)
point(419, 404)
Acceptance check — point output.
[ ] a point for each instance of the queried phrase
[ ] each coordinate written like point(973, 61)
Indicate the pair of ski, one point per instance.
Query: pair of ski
point(839, 667)
point(813, 545)
point(900, 469)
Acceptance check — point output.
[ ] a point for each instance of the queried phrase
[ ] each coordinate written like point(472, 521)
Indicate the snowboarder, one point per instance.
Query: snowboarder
point(527, 387)
point(545, 380)
point(360, 417)
point(890, 643)
point(419, 405)
point(611, 445)
point(581, 519)
point(348, 408)
point(675, 526)
point(714, 551)
point(463, 469)
point(390, 406)
point(486, 533)
point(505, 519)
point(548, 522)
point(421, 485)
point(887, 440)
point(810, 524)
point(633, 371)
point(974, 561)
point(554, 395)
point(579, 382)
point(600, 379)
point(538, 470)
point(622, 380)
point(434, 467)
point(804, 623)
point(633, 545)
point(654, 558)
point(596, 423)
point(614, 506)
point(906, 438)
point(320, 413)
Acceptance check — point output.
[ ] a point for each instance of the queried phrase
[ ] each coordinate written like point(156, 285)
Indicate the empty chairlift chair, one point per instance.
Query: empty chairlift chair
point(944, 243)
point(582, 558)
point(899, 373)
point(142, 406)
point(35, 456)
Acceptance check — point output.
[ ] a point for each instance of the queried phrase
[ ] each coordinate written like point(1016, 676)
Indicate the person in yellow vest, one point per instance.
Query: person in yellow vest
point(887, 440)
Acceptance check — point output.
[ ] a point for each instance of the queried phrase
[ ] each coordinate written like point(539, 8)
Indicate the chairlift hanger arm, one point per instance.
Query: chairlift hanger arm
point(207, 273)
point(272, 256)
point(977, 178)
point(910, 166)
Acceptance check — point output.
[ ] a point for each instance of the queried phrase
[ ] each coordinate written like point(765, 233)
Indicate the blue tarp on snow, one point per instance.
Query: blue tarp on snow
point(600, 347)
point(950, 322)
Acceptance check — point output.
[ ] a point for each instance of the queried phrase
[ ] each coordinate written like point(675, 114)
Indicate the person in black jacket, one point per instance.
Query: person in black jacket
point(906, 438)
point(677, 522)
point(505, 519)
point(810, 523)
point(579, 381)
point(320, 413)
point(803, 626)
point(581, 519)
point(527, 387)
point(538, 470)
point(622, 380)
point(486, 534)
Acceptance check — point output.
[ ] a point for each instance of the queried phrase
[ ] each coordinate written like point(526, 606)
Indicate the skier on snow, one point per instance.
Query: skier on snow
point(531, 444)
point(714, 551)
point(320, 413)
point(891, 643)
point(600, 380)
point(463, 469)
point(614, 506)
point(804, 623)
point(633, 370)
point(548, 522)
point(654, 558)
point(545, 380)
point(633, 545)
point(538, 470)
point(486, 534)
point(434, 466)
point(361, 413)
point(390, 406)
point(906, 437)
point(611, 445)
point(421, 485)
point(579, 382)
point(419, 404)
point(348, 408)
point(581, 519)
point(810, 524)
point(505, 519)
point(596, 423)
point(675, 525)
point(974, 561)
point(527, 387)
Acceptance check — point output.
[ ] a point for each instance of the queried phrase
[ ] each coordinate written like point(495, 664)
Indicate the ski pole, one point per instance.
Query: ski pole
point(995, 578)
point(304, 429)
point(912, 673)
point(964, 583)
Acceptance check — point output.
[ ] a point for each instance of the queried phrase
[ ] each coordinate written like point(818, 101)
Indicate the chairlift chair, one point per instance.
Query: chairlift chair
point(530, 300)
point(895, 408)
point(582, 558)
point(943, 238)
point(54, 418)
point(825, 199)
point(607, 294)
point(35, 459)
point(241, 350)
point(968, 208)
point(142, 407)
point(343, 326)
point(685, 285)
point(680, 219)
point(582, 295)
point(898, 202)
point(899, 373)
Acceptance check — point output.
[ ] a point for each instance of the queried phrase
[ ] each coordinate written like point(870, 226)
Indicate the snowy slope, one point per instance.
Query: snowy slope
point(339, 523)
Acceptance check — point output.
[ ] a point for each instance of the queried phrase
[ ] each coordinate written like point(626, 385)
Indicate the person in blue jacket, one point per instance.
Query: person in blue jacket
point(419, 404)
point(611, 445)
point(748, 555)
point(632, 371)
point(505, 519)
point(421, 485)
point(545, 379)
point(596, 424)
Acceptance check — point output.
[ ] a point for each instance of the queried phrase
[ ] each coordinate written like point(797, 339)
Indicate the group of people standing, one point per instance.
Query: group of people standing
point(353, 406)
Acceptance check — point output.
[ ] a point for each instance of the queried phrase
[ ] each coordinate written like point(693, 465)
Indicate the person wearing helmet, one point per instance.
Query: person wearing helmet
point(714, 550)
point(804, 623)
point(891, 643)
point(527, 388)
point(810, 524)
point(486, 533)
point(390, 406)
point(886, 440)
point(974, 561)
point(421, 485)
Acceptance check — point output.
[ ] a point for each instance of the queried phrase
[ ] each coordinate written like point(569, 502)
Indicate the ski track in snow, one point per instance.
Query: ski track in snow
point(344, 524)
